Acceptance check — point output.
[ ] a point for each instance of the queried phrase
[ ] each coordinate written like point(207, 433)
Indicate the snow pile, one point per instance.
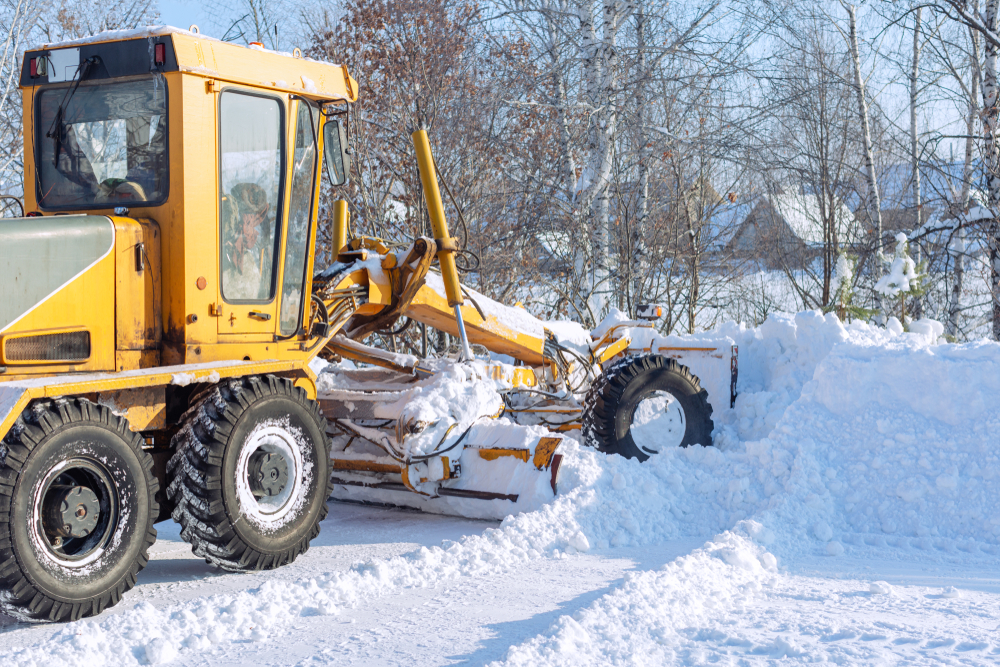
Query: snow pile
point(642, 621)
point(897, 442)
point(838, 431)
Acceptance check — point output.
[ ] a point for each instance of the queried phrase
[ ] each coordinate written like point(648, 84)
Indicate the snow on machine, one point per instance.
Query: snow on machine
point(162, 317)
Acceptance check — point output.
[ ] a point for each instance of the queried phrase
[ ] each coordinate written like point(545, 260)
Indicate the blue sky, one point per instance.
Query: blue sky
point(182, 13)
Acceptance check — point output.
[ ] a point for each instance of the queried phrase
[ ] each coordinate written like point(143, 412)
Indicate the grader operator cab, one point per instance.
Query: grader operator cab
point(161, 313)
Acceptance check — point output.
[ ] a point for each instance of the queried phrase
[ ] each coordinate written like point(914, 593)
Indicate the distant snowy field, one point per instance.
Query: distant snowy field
point(850, 513)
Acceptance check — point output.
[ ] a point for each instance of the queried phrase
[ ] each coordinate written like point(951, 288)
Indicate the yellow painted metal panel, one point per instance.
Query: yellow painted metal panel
point(38, 256)
point(432, 309)
point(544, 451)
point(128, 360)
point(144, 408)
point(137, 303)
point(494, 453)
point(86, 302)
point(201, 215)
point(235, 63)
point(309, 385)
point(613, 349)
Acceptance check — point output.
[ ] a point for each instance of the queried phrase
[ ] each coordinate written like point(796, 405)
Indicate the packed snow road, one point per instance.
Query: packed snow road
point(666, 604)
point(469, 619)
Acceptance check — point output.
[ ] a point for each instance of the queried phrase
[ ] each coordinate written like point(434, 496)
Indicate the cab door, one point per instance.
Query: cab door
point(301, 227)
point(251, 200)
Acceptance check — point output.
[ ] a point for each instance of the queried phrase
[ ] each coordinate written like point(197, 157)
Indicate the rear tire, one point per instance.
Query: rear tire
point(77, 504)
point(614, 397)
point(251, 474)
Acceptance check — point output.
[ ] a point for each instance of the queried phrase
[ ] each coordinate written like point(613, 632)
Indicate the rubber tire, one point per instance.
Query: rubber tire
point(613, 397)
point(203, 474)
point(35, 588)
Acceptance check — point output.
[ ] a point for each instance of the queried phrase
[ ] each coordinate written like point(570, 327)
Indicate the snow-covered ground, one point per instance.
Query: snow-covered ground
point(849, 513)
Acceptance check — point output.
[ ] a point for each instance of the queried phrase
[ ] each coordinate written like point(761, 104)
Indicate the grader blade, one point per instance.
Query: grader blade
point(438, 444)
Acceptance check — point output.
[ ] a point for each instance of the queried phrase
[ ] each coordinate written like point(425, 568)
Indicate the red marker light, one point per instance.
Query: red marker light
point(34, 67)
point(160, 54)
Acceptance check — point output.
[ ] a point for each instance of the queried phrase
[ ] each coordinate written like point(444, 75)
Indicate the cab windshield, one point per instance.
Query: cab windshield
point(107, 148)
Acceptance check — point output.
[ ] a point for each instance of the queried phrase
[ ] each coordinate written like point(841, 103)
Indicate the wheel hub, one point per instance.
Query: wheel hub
point(71, 511)
point(77, 511)
point(268, 473)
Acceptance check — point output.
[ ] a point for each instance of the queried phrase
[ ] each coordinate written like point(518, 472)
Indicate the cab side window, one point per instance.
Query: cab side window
point(250, 168)
point(304, 160)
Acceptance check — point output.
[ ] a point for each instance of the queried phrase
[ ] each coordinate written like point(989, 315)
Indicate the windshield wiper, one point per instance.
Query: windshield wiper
point(57, 130)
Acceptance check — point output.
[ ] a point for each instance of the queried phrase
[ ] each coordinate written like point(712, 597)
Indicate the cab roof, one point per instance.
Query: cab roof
point(133, 52)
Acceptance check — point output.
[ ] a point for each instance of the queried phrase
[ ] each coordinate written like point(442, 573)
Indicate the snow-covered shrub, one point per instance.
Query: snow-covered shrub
point(905, 280)
point(843, 291)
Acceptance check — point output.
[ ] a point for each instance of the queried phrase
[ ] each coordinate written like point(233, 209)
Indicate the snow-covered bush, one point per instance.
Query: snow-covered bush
point(843, 291)
point(903, 281)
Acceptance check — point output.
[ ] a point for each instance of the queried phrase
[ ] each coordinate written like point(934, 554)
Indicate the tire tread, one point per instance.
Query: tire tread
point(195, 472)
point(605, 393)
point(39, 420)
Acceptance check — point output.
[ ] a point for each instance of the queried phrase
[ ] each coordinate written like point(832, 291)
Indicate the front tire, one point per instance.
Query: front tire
point(77, 504)
point(250, 475)
point(644, 404)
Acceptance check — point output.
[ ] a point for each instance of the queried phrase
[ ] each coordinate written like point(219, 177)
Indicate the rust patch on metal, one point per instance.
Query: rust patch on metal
point(365, 466)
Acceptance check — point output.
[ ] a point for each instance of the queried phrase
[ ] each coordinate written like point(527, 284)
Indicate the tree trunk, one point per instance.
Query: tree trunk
point(568, 171)
point(958, 245)
point(914, 147)
point(695, 268)
point(991, 156)
point(638, 258)
point(600, 70)
point(874, 204)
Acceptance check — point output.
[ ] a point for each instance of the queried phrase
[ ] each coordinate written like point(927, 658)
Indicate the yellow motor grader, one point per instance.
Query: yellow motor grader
point(162, 315)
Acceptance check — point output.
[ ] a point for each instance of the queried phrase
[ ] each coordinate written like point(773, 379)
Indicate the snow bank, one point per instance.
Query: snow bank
point(897, 443)
point(840, 434)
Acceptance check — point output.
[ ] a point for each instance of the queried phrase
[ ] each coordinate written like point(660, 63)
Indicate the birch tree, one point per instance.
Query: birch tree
point(957, 51)
point(985, 23)
point(873, 202)
point(917, 202)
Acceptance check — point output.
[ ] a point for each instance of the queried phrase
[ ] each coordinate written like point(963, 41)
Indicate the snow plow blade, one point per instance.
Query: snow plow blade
point(396, 442)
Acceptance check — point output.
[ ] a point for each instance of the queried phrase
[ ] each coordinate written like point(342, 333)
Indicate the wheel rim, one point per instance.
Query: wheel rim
point(269, 473)
point(76, 508)
point(658, 422)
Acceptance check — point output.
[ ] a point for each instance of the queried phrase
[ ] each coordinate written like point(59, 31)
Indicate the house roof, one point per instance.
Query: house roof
point(801, 212)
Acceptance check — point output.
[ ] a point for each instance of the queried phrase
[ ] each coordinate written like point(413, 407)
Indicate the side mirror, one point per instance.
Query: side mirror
point(338, 161)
